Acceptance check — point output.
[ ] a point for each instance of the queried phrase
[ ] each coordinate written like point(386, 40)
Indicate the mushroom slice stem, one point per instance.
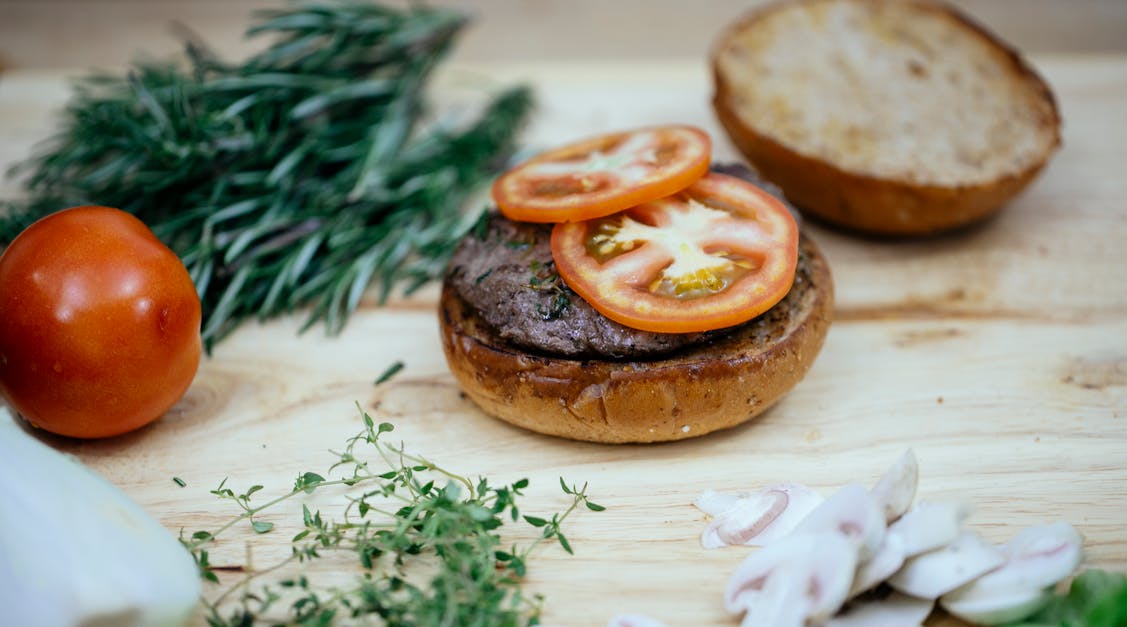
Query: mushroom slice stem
point(925, 527)
point(896, 490)
point(852, 512)
point(888, 559)
point(803, 575)
point(935, 573)
point(929, 526)
point(781, 601)
point(1037, 558)
point(896, 610)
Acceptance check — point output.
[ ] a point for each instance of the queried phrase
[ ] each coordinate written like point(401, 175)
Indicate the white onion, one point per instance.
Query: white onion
point(75, 550)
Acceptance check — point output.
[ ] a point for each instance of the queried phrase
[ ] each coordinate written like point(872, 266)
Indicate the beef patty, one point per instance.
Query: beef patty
point(504, 270)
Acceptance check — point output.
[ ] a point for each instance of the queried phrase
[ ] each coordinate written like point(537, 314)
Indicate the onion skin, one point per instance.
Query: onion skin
point(75, 550)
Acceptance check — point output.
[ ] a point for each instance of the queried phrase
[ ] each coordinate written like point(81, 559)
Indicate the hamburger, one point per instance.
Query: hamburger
point(527, 348)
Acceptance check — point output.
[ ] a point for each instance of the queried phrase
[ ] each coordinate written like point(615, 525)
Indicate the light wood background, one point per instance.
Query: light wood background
point(107, 33)
point(998, 354)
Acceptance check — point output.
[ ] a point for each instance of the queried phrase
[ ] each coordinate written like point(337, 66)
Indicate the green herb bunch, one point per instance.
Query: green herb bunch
point(297, 178)
point(412, 517)
point(1095, 598)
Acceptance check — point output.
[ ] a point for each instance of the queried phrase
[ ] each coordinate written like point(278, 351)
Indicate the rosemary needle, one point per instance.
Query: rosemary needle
point(297, 178)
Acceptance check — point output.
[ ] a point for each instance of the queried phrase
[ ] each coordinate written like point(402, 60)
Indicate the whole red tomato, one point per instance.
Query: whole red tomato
point(99, 324)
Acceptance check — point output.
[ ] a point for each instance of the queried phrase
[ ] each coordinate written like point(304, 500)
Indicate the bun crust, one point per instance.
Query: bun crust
point(887, 117)
point(711, 386)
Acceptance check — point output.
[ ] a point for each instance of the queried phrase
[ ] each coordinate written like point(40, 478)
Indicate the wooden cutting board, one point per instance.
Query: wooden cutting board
point(999, 355)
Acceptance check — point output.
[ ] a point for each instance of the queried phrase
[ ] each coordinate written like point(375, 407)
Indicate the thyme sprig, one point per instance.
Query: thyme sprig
point(412, 516)
point(294, 179)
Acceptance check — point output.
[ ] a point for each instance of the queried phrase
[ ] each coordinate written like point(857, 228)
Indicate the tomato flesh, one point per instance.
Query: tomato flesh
point(714, 255)
point(99, 324)
point(602, 175)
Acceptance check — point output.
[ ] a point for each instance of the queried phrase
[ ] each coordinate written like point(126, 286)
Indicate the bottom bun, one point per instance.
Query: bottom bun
point(698, 390)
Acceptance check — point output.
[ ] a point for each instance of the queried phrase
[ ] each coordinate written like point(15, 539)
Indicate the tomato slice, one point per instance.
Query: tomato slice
point(602, 175)
point(714, 255)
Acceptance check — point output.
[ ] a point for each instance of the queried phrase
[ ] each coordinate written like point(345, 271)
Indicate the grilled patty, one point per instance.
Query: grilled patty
point(504, 270)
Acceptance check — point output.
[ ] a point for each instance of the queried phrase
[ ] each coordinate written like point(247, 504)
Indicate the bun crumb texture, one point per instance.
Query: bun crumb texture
point(889, 117)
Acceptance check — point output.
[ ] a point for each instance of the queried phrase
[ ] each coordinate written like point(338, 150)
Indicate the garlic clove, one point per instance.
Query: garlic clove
point(75, 550)
point(852, 512)
point(1037, 558)
point(935, 573)
point(896, 489)
point(929, 526)
point(896, 610)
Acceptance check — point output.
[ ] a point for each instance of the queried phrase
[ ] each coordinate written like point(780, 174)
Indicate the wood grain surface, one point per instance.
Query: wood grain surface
point(999, 354)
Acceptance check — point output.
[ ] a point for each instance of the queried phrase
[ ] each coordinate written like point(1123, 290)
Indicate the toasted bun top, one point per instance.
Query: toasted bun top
point(910, 93)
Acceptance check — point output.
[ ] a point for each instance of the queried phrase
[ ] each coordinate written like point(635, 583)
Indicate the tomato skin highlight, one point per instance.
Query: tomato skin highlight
point(601, 175)
point(99, 324)
point(715, 255)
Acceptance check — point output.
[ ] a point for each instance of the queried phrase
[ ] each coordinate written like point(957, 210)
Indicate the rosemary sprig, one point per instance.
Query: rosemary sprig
point(412, 516)
point(295, 179)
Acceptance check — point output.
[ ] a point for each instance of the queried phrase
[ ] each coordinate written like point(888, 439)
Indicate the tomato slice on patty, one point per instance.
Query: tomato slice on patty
point(602, 175)
point(714, 255)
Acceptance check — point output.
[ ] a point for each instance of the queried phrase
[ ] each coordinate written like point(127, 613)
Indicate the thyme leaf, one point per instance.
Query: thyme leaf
point(546, 279)
point(297, 178)
point(410, 516)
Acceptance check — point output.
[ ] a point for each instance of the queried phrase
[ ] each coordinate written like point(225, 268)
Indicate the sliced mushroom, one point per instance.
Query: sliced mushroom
point(750, 577)
point(935, 573)
point(999, 609)
point(888, 559)
point(801, 500)
point(714, 502)
point(896, 610)
point(744, 519)
point(896, 490)
point(832, 565)
point(929, 526)
point(926, 527)
point(1041, 555)
point(803, 577)
point(1037, 558)
point(852, 512)
point(781, 601)
point(754, 519)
